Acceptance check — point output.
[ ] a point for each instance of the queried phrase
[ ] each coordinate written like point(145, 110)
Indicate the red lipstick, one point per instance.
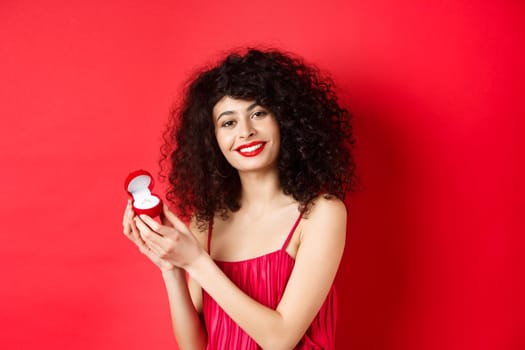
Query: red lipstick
point(251, 149)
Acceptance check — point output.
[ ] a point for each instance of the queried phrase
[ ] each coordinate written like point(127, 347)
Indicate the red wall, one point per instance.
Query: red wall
point(435, 249)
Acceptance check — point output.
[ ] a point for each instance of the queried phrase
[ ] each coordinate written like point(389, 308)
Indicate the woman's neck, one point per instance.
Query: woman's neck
point(261, 191)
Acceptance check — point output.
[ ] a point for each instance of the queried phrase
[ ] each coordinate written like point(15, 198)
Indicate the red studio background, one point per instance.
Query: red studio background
point(434, 257)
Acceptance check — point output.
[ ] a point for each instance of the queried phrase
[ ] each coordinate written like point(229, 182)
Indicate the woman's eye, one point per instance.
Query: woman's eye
point(228, 123)
point(259, 114)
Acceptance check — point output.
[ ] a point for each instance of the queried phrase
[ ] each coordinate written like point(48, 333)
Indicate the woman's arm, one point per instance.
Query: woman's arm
point(321, 246)
point(184, 296)
point(185, 299)
point(187, 325)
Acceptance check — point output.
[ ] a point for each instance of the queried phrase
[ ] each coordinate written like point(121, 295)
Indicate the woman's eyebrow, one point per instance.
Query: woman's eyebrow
point(250, 107)
point(225, 113)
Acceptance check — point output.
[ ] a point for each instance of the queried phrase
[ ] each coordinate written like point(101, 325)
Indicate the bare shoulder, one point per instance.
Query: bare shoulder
point(326, 219)
point(326, 209)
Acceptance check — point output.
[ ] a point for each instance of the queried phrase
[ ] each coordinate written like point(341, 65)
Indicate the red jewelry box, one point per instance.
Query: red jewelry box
point(139, 184)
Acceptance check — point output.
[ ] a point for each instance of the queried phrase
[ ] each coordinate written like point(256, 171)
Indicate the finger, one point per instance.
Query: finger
point(139, 242)
point(135, 235)
point(126, 211)
point(156, 226)
point(151, 238)
point(128, 214)
point(163, 219)
point(174, 220)
point(131, 231)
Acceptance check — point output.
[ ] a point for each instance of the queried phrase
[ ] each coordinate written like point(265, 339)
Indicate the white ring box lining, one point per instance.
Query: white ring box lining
point(142, 197)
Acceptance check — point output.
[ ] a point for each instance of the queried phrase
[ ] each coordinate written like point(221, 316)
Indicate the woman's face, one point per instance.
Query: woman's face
point(247, 134)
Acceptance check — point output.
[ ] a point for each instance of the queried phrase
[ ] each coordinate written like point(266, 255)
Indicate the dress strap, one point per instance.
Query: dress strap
point(292, 230)
point(210, 229)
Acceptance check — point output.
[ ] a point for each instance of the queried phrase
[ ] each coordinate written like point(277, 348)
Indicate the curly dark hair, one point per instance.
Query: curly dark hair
point(316, 134)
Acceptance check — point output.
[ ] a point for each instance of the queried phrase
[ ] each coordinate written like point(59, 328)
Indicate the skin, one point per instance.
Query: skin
point(259, 227)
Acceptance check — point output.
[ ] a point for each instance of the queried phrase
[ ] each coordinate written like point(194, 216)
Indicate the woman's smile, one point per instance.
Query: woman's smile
point(251, 149)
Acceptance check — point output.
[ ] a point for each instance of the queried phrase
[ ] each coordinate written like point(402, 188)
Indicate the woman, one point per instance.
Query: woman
point(259, 163)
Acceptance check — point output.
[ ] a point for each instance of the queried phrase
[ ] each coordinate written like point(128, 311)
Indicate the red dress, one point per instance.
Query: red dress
point(264, 278)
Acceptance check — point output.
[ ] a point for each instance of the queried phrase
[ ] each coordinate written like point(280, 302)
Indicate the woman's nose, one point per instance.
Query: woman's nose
point(247, 130)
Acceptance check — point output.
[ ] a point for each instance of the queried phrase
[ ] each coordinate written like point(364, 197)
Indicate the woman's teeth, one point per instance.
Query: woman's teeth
point(251, 148)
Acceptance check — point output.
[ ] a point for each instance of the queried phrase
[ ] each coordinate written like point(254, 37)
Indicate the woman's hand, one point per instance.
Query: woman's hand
point(171, 241)
point(131, 231)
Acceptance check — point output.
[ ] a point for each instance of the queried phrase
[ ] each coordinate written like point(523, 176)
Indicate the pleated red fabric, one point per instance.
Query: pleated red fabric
point(264, 278)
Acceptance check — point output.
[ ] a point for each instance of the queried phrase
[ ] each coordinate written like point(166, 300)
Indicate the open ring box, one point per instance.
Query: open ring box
point(139, 185)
